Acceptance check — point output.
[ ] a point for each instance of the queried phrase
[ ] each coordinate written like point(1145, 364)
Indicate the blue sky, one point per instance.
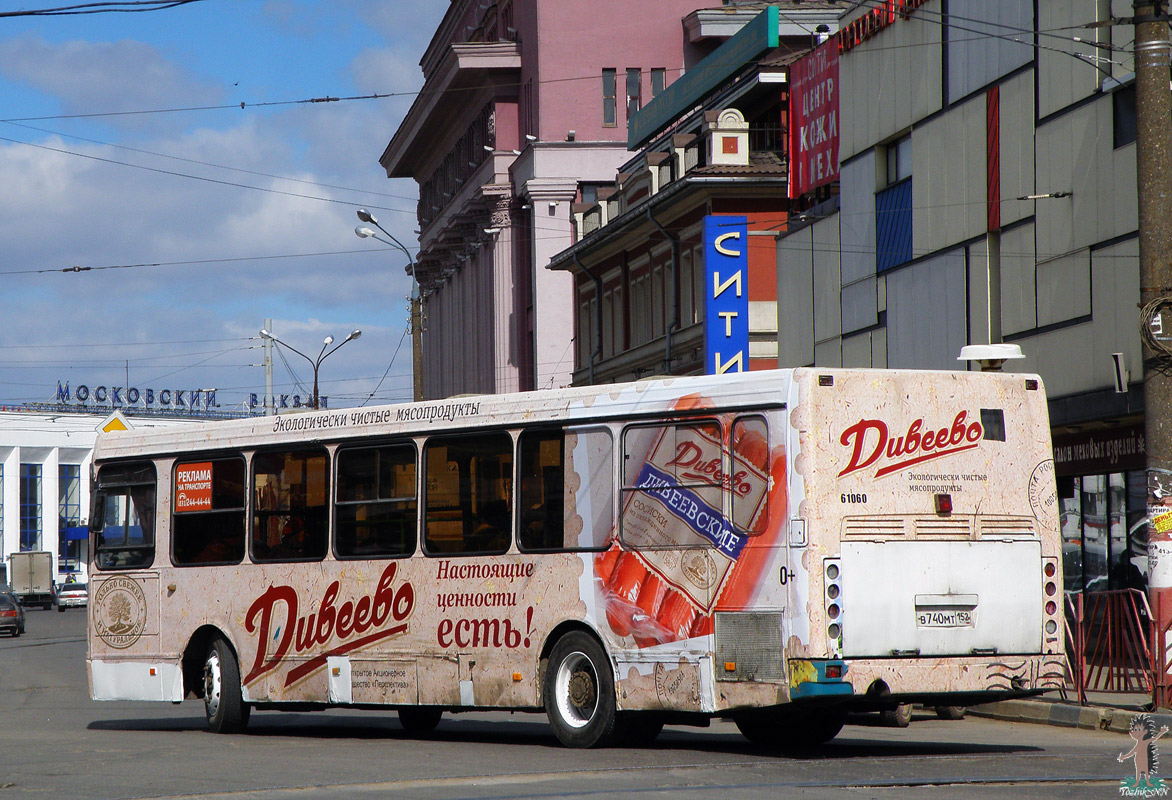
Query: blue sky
point(200, 224)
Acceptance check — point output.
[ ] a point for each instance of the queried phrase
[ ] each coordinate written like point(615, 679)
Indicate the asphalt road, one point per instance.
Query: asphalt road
point(57, 743)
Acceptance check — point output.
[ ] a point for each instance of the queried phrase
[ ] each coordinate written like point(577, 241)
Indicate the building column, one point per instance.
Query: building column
point(51, 532)
point(551, 223)
point(508, 320)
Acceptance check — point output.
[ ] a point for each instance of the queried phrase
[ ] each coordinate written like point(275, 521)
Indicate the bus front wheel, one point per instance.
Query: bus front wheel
point(419, 720)
point(222, 701)
point(579, 692)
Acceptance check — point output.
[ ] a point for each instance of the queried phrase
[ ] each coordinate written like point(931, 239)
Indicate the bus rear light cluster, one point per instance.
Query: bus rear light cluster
point(832, 581)
point(1050, 588)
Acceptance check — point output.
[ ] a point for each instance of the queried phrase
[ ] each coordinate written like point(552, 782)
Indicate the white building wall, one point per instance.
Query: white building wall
point(948, 178)
point(890, 81)
point(992, 40)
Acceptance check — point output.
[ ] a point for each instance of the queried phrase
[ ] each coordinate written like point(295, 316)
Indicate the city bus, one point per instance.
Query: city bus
point(776, 548)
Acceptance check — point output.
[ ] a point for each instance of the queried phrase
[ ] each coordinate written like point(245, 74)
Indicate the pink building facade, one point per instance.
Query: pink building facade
point(523, 112)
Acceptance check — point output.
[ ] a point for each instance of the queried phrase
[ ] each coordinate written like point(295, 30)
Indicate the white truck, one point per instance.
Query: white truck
point(31, 577)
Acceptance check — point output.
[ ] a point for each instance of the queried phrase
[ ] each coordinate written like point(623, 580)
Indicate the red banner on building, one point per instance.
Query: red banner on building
point(813, 120)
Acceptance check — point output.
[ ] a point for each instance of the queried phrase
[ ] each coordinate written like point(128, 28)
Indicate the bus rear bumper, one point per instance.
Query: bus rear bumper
point(136, 680)
point(967, 681)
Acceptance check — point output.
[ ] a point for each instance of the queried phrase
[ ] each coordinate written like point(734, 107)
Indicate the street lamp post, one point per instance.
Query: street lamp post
point(316, 362)
point(416, 299)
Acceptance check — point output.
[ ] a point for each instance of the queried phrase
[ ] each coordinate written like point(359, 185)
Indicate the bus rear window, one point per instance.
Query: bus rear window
point(123, 518)
point(208, 526)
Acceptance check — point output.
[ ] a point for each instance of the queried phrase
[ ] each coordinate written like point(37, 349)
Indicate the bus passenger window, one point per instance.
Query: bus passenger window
point(468, 499)
point(566, 494)
point(672, 485)
point(289, 506)
point(749, 477)
point(374, 510)
point(208, 522)
point(123, 518)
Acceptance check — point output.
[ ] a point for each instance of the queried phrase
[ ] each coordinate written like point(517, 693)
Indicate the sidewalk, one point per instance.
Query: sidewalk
point(1108, 712)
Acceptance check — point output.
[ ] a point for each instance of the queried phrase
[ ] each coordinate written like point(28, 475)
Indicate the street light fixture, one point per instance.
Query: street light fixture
point(321, 356)
point(362, 232)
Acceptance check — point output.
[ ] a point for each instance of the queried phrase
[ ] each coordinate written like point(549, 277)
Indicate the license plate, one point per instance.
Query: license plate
point(951, 618)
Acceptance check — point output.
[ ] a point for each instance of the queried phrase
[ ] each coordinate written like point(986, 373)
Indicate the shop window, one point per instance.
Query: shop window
point(289, 520)
point(468, 495)
point(123, 519)
point(375, 507)
point(208, 523)
point(1104, 540)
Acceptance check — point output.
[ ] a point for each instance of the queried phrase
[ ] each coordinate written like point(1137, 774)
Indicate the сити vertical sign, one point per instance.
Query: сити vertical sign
point(726, 294)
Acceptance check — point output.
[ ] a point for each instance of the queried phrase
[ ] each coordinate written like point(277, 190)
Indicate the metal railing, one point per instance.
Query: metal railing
point(1108, 642)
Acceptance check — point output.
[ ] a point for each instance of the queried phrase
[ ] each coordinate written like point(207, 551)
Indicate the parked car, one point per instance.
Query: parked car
point(11, 613)
point(71, 595)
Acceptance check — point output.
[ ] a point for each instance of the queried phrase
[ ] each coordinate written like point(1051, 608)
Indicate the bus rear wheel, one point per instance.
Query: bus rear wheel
point(579, 692)
point(222, 699)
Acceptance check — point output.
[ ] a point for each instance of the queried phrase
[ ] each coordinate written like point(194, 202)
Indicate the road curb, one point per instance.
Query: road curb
point(1066, 715)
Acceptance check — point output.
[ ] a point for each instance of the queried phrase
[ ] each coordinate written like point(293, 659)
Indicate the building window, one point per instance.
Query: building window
point(609, 108)
point(1123, 122)
point(893, 207)
point(69, 517)
point(658, 80)
point(634, 91)
point(30, 507)
point(898, 160)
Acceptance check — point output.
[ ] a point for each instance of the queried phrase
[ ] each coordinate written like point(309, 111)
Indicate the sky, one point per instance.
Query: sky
point(125, 151)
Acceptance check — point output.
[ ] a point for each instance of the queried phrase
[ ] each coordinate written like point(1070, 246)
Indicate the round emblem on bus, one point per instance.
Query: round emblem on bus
point(119, 612)
point(699, 568)
point(1043, 492)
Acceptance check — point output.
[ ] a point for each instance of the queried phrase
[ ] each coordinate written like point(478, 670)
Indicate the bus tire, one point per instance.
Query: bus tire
point(222, 701)
point(579, 692)
point(950, 712)
point(420, 720)
point(638, 729)
point(805, 728)
point(898, 717)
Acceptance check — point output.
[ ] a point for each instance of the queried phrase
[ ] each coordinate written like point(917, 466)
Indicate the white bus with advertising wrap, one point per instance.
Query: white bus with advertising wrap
point(777, 548)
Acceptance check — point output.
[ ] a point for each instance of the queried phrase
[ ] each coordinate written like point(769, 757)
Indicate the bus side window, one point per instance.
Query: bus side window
point(468, 499)
point(124, 506)
point(749, 478)
point(289, 521)
point(672, 485)
point(554, 516)
point(374, 508)
point(208, 506)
